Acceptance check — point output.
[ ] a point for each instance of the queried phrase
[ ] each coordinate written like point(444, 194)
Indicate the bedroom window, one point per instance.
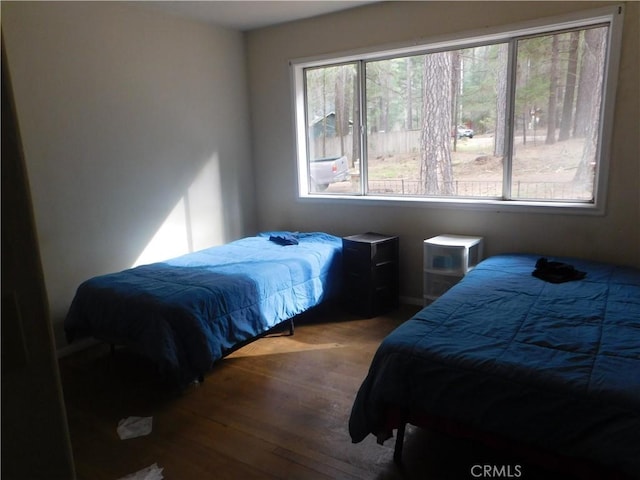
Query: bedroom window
point(520, 116)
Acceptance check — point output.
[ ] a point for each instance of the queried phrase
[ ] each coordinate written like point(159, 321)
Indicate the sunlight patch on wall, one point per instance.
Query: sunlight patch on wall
point(194, 223)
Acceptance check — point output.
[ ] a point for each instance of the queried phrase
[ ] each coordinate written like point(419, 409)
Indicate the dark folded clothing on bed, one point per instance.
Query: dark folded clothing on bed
point(284, 239)
point(556, 272)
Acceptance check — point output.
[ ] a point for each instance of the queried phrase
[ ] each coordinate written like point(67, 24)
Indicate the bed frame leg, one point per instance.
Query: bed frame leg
point(291, 326)
point(397, 451)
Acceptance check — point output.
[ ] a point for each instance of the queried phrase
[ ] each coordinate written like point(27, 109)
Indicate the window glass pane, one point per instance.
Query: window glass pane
point(557, 114)
point(513, 117)
point(331, 108)
point(435, 123)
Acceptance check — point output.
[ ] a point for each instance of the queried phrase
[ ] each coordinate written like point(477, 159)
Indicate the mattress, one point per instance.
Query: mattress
point(552, 365)
point(186, 313)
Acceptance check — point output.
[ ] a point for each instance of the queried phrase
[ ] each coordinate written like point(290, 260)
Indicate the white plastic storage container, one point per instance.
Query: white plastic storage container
point(446, 259)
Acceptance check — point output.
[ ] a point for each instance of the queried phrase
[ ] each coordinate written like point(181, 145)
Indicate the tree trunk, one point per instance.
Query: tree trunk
point(501, 100)
point(553, 93)
point(587, 81)
point(324, 113)
point(341, 113)
point(409, 86)
point(384, 98)
point(355, 137)
point(436, 172)
point(570, 87)
point(595, 40)
point(456, 78)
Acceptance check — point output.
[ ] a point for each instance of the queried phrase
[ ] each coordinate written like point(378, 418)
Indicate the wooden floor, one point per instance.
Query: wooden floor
point(277, 408)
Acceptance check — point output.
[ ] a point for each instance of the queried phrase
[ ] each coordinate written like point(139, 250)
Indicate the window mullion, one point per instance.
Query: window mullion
point(362, 127)
point(507, 170)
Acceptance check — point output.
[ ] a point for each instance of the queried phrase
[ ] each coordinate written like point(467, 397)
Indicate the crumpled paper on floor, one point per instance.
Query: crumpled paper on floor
point(152, 472)
point(133, 427)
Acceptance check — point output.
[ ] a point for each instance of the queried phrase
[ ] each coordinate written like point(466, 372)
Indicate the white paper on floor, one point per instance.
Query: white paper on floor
point(133, 427)
point(152, 472)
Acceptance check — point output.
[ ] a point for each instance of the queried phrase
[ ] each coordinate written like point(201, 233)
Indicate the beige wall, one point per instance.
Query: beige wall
point(613, 237)
point(136, 137)
point(135, 128)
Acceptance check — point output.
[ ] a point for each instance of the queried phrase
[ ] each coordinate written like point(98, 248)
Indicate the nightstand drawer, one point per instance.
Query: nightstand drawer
point(384, 252)
point(355, 251)
point(370, 302)
point(370, 272)
point(354, 261)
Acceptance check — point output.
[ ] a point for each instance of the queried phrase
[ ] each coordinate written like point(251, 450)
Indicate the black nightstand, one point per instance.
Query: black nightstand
point(370, 269)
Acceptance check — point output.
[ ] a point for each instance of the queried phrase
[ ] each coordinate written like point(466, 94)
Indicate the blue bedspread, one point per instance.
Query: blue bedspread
point(188, 312)
point(555, 366)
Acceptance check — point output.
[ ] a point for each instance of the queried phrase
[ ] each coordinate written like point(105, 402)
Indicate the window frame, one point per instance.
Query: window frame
point(610, 15)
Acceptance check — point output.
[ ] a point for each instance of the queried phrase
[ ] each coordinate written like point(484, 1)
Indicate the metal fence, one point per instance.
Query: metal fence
point(484, 189)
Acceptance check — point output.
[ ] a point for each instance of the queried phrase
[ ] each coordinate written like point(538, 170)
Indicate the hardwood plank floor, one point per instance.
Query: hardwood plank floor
point(277, 408)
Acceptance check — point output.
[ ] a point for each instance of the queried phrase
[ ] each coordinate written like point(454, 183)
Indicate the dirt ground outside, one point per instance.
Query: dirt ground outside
point(540, 171)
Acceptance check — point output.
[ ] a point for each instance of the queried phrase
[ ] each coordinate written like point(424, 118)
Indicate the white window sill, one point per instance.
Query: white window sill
point(498, 206)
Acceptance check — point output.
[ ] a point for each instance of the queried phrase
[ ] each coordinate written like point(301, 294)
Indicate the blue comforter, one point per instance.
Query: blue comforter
point(555, 366)
point(188, 312)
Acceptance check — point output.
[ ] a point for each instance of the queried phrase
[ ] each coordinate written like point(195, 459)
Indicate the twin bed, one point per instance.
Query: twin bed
point(552, 369)
point(504, 356)
point(186, 313)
